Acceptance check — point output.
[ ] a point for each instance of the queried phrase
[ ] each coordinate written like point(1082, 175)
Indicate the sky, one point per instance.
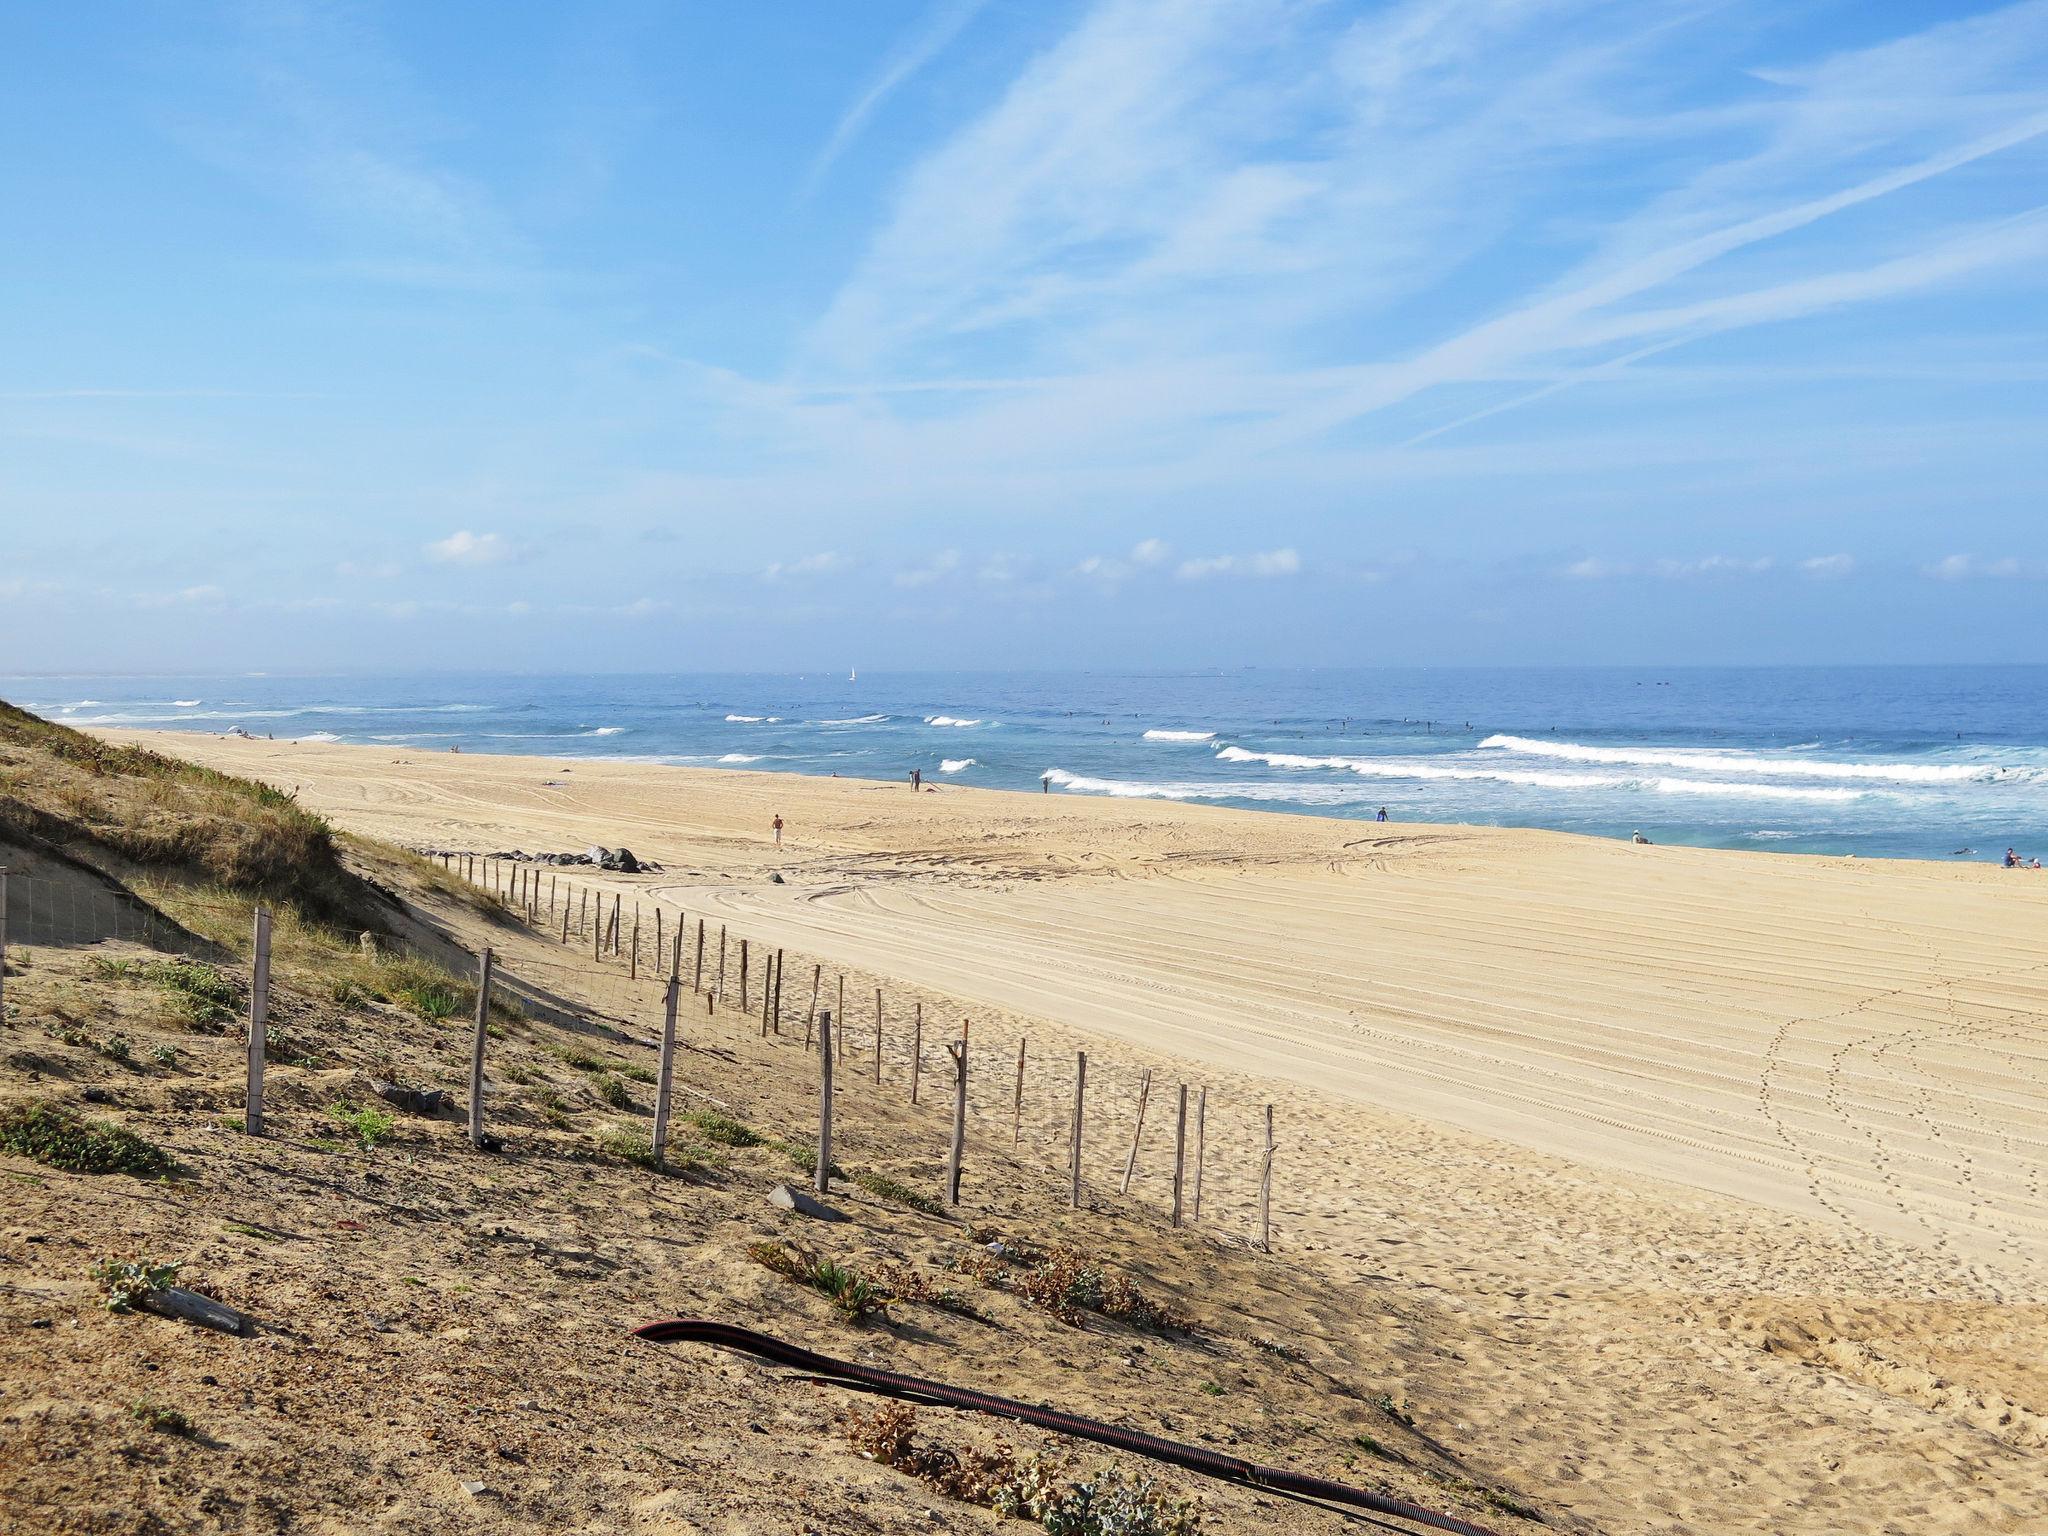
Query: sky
point(1022, 333)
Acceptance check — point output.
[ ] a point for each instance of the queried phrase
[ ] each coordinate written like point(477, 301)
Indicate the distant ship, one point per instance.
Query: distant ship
point(850, 676)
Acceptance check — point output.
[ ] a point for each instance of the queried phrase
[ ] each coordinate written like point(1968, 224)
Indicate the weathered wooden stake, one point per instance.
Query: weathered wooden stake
point(476, 1048)
point(878, 1034)
point(811, 1013)
point(259, 1015)
point(842, 1016)
point(958, 1051)
point(1201, 1143)
point(1017, 1102)
point(1074, 1136)
point(1266, 1188)
point(719, 990)
point(1180, 1150)
point(916, 1051)
point(552, 879)
point(779, 967)
point(767, 993)
point(565, 922)
point(1131, 1162)
point(657, 941)
point(744, 1008)
point(597, 933)
point(697, 978)
point(823, 1180)
point(664, 1082)
point(633, 964)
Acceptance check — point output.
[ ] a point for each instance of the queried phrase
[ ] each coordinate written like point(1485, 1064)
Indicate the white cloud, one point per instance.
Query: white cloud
point(1828, 567)
point(1593, 569)
point(1712, 565)
point(823, 563)
point(1272, 562)
point(937, 568)
point(1150, 552)
point(924, 44)
point(465, 548)
point(1971, 568)
point(193, 597)
point(356, 570)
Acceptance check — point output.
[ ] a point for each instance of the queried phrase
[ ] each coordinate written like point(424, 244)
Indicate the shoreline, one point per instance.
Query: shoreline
point(167, 740)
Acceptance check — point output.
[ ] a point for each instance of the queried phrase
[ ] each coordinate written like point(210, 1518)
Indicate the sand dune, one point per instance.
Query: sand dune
point(1740, 1153)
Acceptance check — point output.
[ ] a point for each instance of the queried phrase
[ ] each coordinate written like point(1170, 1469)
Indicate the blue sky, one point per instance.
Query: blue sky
point(945, 333)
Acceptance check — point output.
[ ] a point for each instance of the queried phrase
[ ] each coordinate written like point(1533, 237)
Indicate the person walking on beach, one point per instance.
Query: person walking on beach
point(916, 780)
point(1382, 815)
point(778, 829)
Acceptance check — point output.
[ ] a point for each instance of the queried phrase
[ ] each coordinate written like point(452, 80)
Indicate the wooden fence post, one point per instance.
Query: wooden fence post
point(697, 979)
point(633, 964)
point(664, 1082)
point(476, 1048)
point(958, 1051)
point(823, 1181)
point(565, 922)
point(811, 1013)
point(1074, 1137)
point(842, 1015)
point(1017, 1103)
point(1180, 1150)
point(259, 1015)
point(657, 939)
point(1201, 1141)
point(778, 991)
point(1131, 1162)
point(719, 990)
point(1266, 1188)
point(743, 977)
point(878, 1034)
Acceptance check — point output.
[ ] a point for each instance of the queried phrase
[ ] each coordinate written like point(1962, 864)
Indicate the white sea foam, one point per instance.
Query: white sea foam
point(1763, 791)
point(1769, 835)
point(1180, 735)
point(187, 703)
point(1744, 762)
point(319, 736)
point(948, 720)
point(745, 719)
point(856, 720)
point(955, 764)
point(741, 757)
point(605, 730)
point(1283, 794)
point(1410, 768)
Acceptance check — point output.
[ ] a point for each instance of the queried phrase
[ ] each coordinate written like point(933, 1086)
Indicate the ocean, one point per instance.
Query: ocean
point(1884, 762)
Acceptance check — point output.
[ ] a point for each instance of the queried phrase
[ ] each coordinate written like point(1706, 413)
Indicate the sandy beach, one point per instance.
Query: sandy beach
point(1730, 1161)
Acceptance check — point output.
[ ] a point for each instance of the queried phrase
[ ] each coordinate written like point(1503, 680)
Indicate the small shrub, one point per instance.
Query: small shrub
point(1067, 1285)
point(118, 1048)
point(202, 993)
point(638, 1074)
point(630, 1146)
point(1213, 1388)
point(61, 1137)
point(725, 1130)
point(906, 1284)
point(581, 1059)
point(163, 1055)
point(129, 1282)
point(1372, 1447)
point(347, 994)
point(611, 1090)
point(369, 1124)
point(883, 1187)
point(845, 1287)
point(1387, 1405)
point(431, 1000)
point(165, 1421)
point(1035, 1488)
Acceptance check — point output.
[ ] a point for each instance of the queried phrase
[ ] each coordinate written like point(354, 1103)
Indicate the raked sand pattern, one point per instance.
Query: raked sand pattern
point(1731, 1162)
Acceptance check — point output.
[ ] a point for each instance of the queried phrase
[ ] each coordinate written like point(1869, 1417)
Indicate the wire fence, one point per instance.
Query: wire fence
point(1169, 1146)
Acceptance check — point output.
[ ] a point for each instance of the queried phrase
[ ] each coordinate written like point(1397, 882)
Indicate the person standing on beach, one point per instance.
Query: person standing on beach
point(1382, 815)
point(778, 829)
point(916, 780)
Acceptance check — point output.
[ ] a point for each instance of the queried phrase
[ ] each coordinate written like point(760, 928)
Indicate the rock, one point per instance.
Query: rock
point(418, 1101)
point(601, 857)
point(804, 1205)
point(474, 1490)
point(173, 1301)
point(98, 1096)
point(775, 879)
point(627, 864)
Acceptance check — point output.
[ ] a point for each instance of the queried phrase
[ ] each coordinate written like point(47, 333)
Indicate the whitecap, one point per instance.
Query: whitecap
point(745, 719)
point(741, 757)
point(948, 720)
point(955, 764)
point(187, 703)
point(856, 720)
point(1705, 761)
point(1180, 735)
point(605, 730)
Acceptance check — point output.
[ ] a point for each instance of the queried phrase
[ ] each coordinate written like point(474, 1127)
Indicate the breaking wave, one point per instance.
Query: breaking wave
point(955, 764)
point(856, 720)
point(605, 730)
point(741, 757)
point(1180, 735)
point(1744, 762)
point(948, 720)
point(187, 703)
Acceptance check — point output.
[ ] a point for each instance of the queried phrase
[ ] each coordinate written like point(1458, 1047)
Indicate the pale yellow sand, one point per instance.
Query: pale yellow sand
point(1735, 1160)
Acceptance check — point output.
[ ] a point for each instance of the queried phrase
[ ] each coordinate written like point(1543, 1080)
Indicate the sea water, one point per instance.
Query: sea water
point(1923, 762)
